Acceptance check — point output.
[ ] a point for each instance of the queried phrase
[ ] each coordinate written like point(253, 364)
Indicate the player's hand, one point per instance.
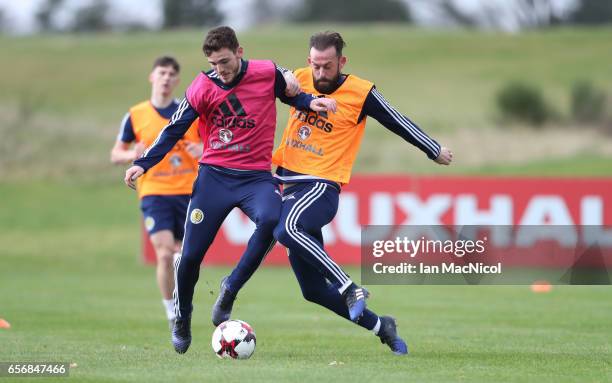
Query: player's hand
point(323, 104)
point(445, 157)
point(132, 174)
point(139, 148)
point(194, 149)
point(293, 85)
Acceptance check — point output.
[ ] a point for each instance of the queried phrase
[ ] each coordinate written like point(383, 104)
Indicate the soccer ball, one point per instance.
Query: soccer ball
point(234, 339)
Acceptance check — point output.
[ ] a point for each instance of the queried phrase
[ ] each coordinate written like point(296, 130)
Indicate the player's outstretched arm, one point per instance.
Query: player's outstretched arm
point(445, 157)
point(378, 108)
point(132, 174)
point(180, 122)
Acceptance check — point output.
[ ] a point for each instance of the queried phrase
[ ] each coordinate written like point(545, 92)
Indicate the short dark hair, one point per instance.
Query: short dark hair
point(323, 40)
point(165, 61)
point(219, 38)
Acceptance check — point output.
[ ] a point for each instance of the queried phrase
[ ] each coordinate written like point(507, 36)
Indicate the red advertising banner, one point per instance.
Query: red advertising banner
point(422, 200)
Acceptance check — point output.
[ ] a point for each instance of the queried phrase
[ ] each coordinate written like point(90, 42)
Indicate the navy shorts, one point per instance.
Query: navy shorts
point(165, 212)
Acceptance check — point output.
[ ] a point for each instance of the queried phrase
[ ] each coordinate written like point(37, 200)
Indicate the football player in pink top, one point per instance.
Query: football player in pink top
point(236, 105)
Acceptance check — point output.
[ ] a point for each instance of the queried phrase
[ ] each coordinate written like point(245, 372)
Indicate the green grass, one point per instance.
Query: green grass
point(440, 78)
point(74, 290)
point(584, 165)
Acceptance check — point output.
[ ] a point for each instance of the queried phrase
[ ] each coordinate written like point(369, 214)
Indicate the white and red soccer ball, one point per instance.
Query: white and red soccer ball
point(234, 339)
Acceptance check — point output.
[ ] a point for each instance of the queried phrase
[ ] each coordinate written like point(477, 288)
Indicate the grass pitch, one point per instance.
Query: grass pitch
point(74, 290)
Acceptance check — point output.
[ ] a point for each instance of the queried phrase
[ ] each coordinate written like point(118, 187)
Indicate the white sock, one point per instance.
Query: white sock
point(169, 305)
point(376, 327)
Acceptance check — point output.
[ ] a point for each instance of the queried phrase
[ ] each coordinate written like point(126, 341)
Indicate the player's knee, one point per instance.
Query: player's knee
point(193, 253)
point(164, 255)
point(281, 235)
point(164, 244)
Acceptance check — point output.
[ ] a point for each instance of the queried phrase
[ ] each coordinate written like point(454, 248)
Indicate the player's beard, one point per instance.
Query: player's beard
point(325, 85)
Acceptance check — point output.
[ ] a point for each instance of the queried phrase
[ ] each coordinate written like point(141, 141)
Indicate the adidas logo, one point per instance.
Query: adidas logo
point(359, 293)
point(318, 120)
point(231, 114)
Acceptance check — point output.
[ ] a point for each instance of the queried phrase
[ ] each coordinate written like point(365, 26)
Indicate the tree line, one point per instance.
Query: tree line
point(94, 15)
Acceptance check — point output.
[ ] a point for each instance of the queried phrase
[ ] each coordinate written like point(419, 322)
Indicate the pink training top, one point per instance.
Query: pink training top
point(237, 125)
